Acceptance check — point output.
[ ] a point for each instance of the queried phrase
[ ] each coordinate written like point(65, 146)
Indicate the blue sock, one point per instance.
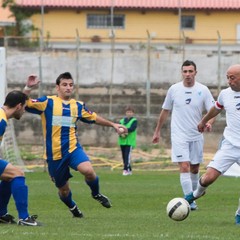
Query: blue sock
point(20, 195)
point(68, 200)
point(5, 194)
point(94, 186)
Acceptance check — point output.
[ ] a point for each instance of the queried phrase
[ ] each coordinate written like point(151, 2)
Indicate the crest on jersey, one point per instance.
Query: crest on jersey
point(188, 100)
point(238, 106)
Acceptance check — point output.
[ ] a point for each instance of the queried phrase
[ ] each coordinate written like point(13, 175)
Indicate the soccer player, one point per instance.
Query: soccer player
point(229, 152)
point(128, 141)
point(12, 178)
point(63, 151)
point(187, 100)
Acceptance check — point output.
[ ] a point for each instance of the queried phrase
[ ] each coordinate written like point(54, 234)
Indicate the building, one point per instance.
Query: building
point(6, 19)
point(196, 21)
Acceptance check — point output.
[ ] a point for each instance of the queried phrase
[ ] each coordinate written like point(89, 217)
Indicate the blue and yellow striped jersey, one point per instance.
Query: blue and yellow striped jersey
point(59, 123)
point(3, 123)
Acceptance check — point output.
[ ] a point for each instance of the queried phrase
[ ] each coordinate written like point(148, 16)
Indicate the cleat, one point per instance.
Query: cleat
point(76, 212)
point(193, 206)
point(29, 221)
point(237, 219)
point(103, 200)
point(190, 198)
point(7, 219)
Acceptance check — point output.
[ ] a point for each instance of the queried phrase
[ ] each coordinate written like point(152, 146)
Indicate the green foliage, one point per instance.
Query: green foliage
point(138, 212)
point(20, 14)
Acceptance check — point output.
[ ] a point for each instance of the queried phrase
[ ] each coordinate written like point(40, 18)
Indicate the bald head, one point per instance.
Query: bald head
point(234, 68)
point(233, 77)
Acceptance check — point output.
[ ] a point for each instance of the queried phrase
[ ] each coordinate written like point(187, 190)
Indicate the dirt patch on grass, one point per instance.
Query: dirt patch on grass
point(150, 158)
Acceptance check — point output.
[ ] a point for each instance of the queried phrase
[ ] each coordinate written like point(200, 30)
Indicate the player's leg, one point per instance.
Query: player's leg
point(196, 157)
point(126, 151)
point(185, 177)
point(221, 162)
point(194, 176)
point(19, 191)
point(80, 162)
point(65, 195)
point(123, 147)
point(180, 155)
point(92, 180)
point(129, 167)
point(60, 174)
point(206, 179)
point(5, 194)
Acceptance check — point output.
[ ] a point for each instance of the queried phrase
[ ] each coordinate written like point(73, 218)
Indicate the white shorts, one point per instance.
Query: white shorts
point(225, 157)
point(187, 151)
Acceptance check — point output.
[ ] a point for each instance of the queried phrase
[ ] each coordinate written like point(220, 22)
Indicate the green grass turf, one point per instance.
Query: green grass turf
point(138, 212)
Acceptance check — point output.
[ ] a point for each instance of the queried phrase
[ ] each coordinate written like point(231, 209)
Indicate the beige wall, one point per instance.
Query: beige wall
point(62, 24)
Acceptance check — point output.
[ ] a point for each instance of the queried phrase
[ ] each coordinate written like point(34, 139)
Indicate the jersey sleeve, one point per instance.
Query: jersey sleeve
point(37, 106)
point(168, 102)
point(3, 126)
point(219, 103)
point(86, 115)
point(209, 100)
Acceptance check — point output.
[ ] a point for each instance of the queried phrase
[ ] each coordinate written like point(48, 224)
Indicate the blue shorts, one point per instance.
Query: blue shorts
point(59, 170)
point(3, 165)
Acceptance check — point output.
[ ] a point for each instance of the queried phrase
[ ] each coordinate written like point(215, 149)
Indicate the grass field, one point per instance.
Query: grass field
point(138, 212)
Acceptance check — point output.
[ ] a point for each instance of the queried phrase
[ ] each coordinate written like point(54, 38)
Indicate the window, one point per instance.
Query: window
point(188, 22)
point(104, 21)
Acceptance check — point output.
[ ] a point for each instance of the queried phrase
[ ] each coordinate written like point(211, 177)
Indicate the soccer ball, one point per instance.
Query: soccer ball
point(178, 209)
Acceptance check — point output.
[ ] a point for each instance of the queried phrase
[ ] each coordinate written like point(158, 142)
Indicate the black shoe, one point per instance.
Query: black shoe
point(76, 212)
point(103, 200)
point(7, 218)
point(29, 221)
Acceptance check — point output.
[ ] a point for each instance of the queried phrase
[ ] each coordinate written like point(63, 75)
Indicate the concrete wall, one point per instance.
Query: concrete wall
point(129, 68)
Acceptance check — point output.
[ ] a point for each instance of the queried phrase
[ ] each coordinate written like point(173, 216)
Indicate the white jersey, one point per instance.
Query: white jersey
point(230, 101)
point(187, 105)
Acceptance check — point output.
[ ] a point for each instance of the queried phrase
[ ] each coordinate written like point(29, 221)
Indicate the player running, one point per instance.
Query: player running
point(63, 151)
point(229, 152)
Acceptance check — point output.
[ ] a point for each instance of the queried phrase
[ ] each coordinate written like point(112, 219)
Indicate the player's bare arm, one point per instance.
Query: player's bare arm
point(162, 119)
point(104, 122)
point(208, 119)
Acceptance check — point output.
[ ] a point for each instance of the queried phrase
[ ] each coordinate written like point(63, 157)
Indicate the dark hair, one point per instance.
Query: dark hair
point(129, 108)
point(189, 63)
point(65, 75)
point(15, 97)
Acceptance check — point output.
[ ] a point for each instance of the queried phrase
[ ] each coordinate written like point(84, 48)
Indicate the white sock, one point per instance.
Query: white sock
point(238, 211)
point(200, 190)
point(194, 178)
point(186, 183)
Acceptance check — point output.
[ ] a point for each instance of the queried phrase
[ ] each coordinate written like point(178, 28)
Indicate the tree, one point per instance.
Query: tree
point(21, 15)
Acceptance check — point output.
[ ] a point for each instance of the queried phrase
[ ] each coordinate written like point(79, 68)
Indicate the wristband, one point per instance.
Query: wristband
point(27, 88)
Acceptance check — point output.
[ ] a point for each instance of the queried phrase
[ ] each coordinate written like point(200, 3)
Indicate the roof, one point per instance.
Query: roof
point(141, 4)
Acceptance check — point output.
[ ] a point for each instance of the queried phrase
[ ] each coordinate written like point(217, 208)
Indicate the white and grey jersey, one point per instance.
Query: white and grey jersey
point(187, 105)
